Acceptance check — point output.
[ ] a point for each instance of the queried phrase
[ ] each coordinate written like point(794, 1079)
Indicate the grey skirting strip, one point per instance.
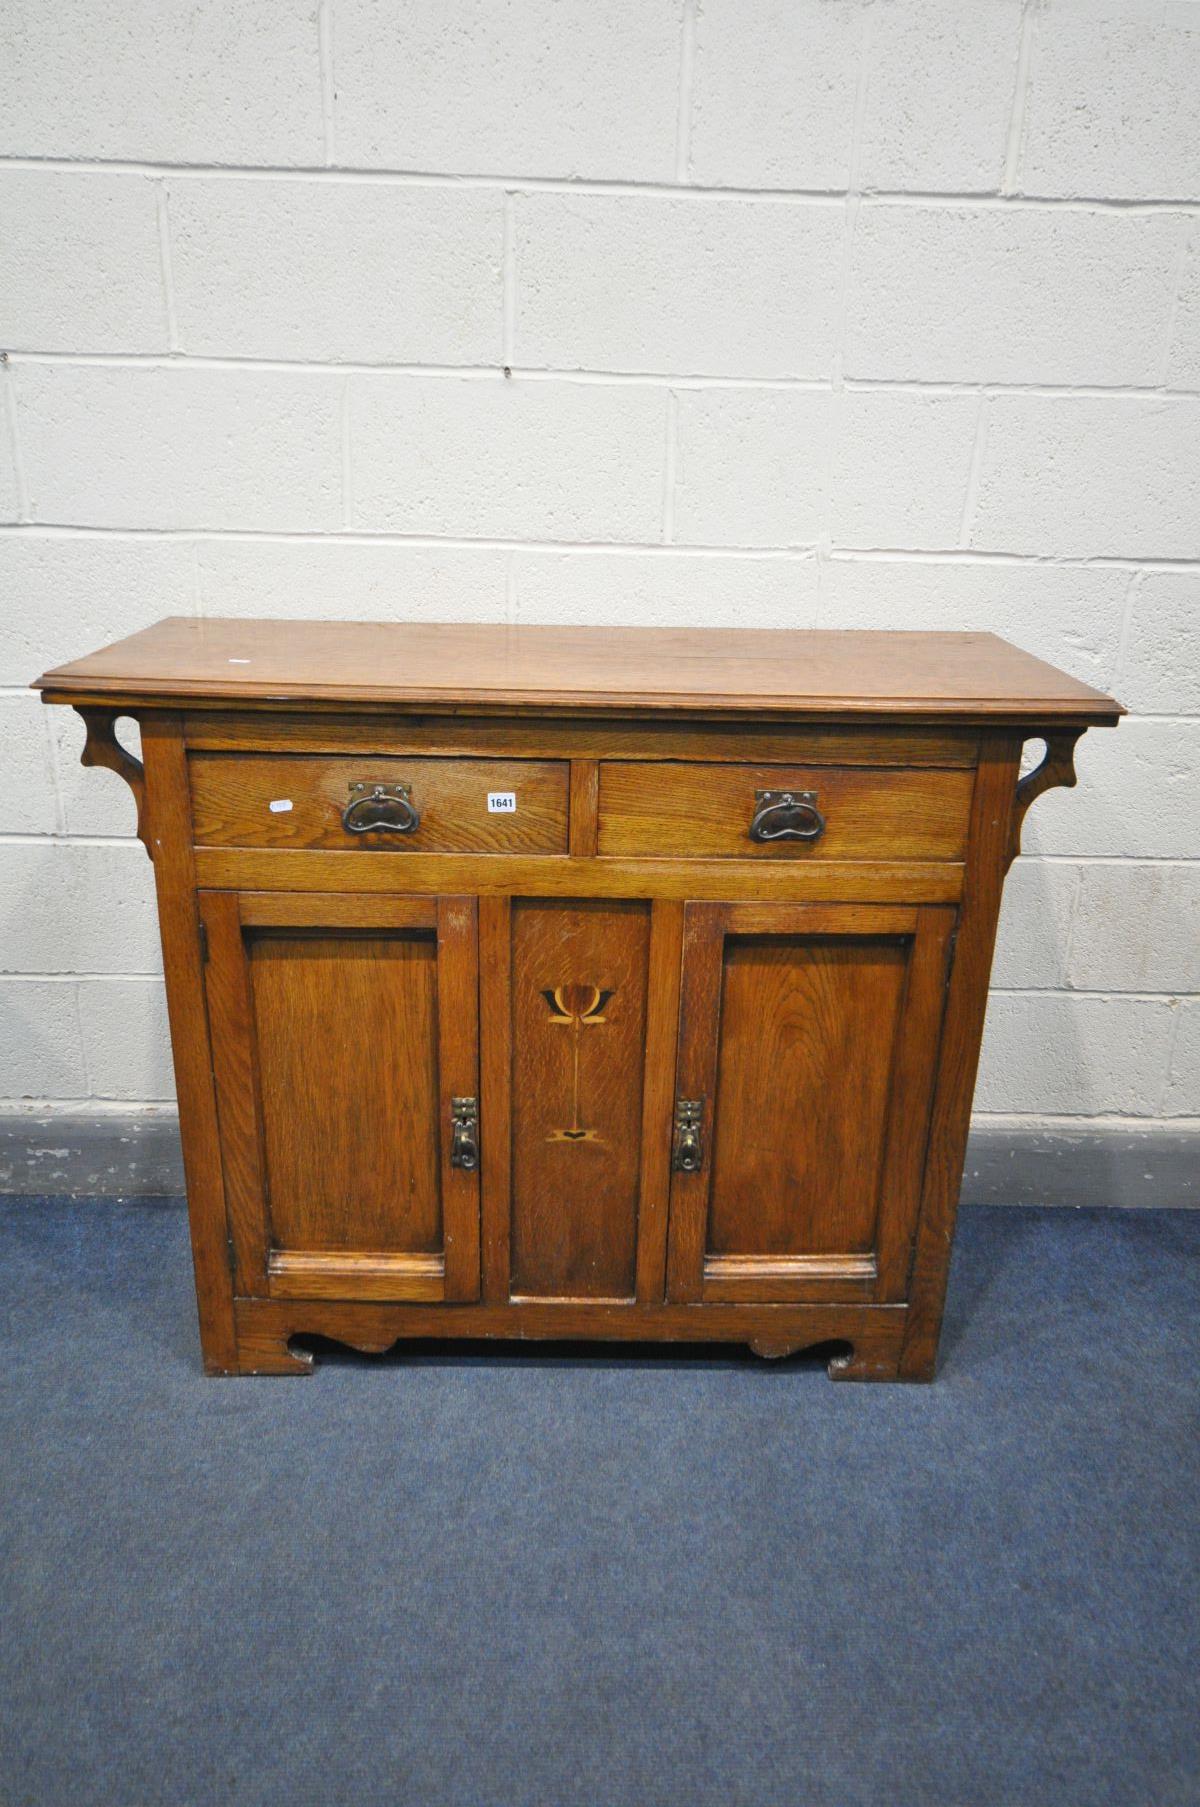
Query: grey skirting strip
point(124, 1156)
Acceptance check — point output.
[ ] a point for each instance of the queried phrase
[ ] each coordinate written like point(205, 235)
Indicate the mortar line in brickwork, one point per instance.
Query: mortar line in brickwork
point(1186, 251)
point(83, 978)
point(797, 554)
point(1014, 150)
point(325, 65)
point(12, 428)
point(1169, 1062)
point(508, 282)
point(687, 66)
point(645, 379)
point(64, 839)
point(81, 1041)
point(56, 779)
point(850, 220)
point(68, 1107)
point(603, 186)
point(346, 441)
point(1167, 996)
point(974, 472)
point(1072, 920)
point(162, 201)
point(1068, 1119)
point(670, 467)
point(1127, 606)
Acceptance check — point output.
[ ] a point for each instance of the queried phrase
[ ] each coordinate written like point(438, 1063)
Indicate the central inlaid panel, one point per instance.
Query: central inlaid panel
point(579, 975)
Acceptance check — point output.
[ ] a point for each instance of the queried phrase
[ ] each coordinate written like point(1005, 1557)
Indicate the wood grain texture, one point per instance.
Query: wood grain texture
point(234, 1033)
point(102, 748)
point(169, 809)
point(346, 1029)
point(585, 785)
point(810, 1036)
point(579, 998)
point(704, 811)
point(807, 1036)
point(351, 1274)
point(656, 670)
point(458, 1077)
point(883, 881)
point(277, 909)
point(495, 1090)
point(658, 1099)
point(962, 1034)
point(259, 729)
point(264, 1327)
point(1056, 769)
point(232, 797)
point(914, 1072)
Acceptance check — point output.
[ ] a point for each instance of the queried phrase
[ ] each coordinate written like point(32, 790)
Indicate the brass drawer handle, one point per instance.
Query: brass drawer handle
point(464, 1140)
point(786, 816)
point(687, 1155)
point(380, 806)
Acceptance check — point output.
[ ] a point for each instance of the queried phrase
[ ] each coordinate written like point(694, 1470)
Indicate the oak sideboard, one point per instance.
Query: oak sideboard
point(575, 983)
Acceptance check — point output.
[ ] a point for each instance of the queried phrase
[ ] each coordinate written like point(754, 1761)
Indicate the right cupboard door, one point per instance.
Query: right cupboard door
point(808, 1046)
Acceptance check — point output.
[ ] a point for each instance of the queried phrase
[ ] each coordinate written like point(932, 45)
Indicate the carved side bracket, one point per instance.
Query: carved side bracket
point(103, 748)
point(1057, 768)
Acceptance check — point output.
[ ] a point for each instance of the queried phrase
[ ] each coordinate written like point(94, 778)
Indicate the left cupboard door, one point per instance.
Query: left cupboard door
point(345, 1039)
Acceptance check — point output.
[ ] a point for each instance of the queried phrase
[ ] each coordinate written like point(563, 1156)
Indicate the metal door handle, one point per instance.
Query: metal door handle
point(464, 1133)
point(687, 1154)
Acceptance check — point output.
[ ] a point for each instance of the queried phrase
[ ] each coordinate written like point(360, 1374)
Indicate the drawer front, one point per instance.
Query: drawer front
point(419, 805)
point(682, 811)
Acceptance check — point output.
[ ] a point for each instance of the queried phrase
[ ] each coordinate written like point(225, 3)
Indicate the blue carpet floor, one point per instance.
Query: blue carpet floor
point(496, 1577)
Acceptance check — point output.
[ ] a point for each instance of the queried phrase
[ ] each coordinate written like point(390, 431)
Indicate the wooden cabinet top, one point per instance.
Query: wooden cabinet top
point(539, 670)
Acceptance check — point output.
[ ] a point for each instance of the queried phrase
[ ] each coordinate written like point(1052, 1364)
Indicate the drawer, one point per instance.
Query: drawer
point(459, 805)
point(680, 811)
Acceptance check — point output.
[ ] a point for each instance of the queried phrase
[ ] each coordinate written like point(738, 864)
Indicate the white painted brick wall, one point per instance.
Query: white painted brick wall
point(370, 273)
point(1023, 295)
point(818, 312)
point(716, 286)
point(496, 459)
point(507, 87)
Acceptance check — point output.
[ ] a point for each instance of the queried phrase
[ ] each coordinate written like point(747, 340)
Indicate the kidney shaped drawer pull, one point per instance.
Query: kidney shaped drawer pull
point(380, 806)
point(786, 816)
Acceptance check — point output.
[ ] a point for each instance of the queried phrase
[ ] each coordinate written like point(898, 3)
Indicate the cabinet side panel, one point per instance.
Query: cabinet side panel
point(348, 1073)
point(175, 878)
point(579, 980)
point(962, 1033)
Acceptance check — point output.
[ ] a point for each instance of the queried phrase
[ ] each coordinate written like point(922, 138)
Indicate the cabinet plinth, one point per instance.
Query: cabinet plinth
point(571, 983)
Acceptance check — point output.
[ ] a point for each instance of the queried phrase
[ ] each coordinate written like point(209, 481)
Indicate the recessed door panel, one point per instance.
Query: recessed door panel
point(345, 1053)
point(804, 1062)
point(345, 1026)
point(808, 1044)
point(578, 989)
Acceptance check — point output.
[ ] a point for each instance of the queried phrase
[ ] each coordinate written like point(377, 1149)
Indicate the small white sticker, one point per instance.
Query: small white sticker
point(280, 806)
point(239, 661)
point(502, 803)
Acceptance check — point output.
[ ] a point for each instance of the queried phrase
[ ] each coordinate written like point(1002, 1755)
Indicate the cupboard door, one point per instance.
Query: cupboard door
point(808, 1046)
point(345, 1051)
